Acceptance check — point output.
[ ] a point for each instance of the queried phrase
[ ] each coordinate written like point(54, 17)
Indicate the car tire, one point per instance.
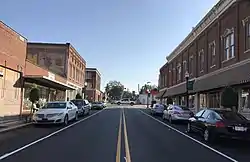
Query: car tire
point(76, 116)
point(170, 119)
point(88, 112)
point(118, 103)
point(131, 104)
point(66, 120)
point(189, 128)
point(208, 136)
point(163, 117)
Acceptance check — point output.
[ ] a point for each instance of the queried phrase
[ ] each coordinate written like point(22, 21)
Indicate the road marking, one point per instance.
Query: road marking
point(118, 147)
point(43, 138)
point(128, 158)
point(195, 140)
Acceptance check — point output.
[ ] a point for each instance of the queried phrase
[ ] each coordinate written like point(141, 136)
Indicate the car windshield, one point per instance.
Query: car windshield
point(231, 116)
point(58, 105)
point(77, 102)
point(184, 108)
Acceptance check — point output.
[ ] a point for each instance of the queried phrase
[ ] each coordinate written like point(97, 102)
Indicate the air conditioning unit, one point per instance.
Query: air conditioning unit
point(1, 74)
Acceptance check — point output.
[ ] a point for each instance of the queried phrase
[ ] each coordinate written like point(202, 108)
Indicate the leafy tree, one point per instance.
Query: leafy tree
point(127, 94)
point(229, 98)
point(147, 87)
point(34, 96)
point(78, 96)
point(114, 89)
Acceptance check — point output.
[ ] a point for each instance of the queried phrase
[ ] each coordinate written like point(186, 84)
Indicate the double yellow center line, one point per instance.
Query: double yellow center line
point(118, 148)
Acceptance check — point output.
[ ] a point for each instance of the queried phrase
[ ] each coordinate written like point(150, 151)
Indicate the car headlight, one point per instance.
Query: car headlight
point(60, 114)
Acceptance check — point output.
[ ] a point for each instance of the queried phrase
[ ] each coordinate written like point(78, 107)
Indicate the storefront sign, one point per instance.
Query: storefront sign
point(51, 76)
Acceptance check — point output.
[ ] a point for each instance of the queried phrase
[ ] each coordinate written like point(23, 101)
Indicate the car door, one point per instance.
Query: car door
point(202, 121)
point(72, 111)
point(195, 120)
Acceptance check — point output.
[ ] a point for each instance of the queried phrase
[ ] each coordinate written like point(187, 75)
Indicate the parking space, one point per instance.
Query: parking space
point(239, 150)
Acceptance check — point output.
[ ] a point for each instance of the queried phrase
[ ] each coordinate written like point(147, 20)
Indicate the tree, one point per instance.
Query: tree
point(78, 96)
point(229, 98)
point(127, 94)
point(114, 89)
point(147, 87)
point(34, 96)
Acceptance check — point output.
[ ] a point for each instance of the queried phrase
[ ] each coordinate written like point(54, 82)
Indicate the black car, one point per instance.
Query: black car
point(215, 123)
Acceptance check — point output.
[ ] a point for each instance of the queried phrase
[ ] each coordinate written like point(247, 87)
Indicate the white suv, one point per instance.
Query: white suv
point(125, 101)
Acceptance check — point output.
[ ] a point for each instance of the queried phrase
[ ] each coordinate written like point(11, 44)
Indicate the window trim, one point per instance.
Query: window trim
point(190, 58)
point(202, 61)
point(246, 26)
point(228, 33)
point(179, 70)
point(212, 53)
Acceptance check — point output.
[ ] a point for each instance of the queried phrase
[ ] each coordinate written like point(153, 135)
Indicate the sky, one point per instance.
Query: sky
point(126, 40)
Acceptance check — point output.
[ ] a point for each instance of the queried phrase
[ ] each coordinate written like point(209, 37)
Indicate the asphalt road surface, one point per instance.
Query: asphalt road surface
point(121, 134)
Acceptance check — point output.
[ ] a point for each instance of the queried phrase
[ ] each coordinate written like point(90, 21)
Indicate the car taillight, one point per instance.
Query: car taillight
point(219, 124)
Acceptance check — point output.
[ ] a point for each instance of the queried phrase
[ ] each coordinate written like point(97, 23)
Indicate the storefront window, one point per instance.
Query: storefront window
point(203, 100)
point(191, 101)
point(245, 99)
point(214, 100)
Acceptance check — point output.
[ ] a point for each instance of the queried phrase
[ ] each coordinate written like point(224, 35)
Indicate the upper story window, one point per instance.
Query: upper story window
point(191, 62)
point(212, 53)
point(179, 72)
point(246, 25)
point(201, 60)
point(228, 40)
point(248, 36)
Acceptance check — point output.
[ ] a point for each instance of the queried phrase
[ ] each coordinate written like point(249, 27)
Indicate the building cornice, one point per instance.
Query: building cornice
point(208, 19)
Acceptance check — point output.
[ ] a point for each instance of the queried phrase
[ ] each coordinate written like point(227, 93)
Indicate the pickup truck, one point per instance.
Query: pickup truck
point(125, 101)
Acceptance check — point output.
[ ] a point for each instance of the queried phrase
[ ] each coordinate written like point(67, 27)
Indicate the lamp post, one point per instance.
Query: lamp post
point(148, 93)
point(84, 90)
point(187, 97)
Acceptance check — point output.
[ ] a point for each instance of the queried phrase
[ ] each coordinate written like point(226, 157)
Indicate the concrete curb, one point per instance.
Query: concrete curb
point(15, 127)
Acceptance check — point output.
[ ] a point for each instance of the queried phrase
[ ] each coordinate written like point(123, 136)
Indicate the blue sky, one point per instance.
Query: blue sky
point(127, 40)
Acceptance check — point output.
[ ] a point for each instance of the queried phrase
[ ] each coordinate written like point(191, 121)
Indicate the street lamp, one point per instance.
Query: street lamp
point(187, 97)
point(148, 93)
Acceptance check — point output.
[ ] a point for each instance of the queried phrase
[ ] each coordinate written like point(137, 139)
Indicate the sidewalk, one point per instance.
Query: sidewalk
point(8, 125)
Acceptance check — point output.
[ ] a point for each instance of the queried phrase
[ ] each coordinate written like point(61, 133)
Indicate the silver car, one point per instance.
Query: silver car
point(177, 113)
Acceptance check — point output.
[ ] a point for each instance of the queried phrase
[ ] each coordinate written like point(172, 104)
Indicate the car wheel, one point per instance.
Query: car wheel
point(76, 116)
point(66, 120)
point(208, 136)
point(88, 112)
point(189, 128)
point(163, 117)
point(131, 103)
point(118, 103)
point(170, 119)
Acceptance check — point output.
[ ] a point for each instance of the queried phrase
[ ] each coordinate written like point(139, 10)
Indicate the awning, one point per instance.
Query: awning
point(47, 82)
point(161, 94)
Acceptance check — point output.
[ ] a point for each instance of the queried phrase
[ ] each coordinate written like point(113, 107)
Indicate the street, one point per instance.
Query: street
point(116, 134)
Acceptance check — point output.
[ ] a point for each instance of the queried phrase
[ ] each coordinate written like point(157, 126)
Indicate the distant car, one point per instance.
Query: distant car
point(125, 101)
point(157, 109)
point(177, 113)
point(58, 112)
point(83, 106)
point(217, 123)
point(98, 105)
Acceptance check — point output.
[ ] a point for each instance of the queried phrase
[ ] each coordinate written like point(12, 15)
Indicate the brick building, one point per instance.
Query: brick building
point(12, 64)
point(93, 89)
point(61, 66)
point(215, 54)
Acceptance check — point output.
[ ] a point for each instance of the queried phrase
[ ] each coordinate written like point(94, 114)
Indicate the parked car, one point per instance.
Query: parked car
point(214, 123)
point(157, 109)
point(98, 105)
point(59, 112)
point(125, 101)
point(177, 113)
point(83, 106)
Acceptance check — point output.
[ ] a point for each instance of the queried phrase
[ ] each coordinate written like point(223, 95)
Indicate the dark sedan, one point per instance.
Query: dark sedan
point(214, 123)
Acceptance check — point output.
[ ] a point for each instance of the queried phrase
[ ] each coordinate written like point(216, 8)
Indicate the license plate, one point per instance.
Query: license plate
point(241, 129)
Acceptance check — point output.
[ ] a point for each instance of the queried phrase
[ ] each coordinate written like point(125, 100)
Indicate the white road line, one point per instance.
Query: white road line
point(43, 138)
point(195, 140)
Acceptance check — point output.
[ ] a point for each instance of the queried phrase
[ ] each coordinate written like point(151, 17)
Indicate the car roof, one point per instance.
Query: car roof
point(220, 110)
point(58, 102)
